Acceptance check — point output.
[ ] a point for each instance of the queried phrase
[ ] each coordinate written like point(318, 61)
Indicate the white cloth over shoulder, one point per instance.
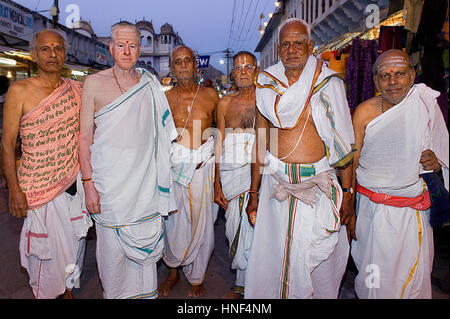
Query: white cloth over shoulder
point(130, 154)
point(410, 127)
point(398, 240)
point(282, 105)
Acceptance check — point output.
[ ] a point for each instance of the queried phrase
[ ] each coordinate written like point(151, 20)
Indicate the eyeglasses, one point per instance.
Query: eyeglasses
point(246, 67)
point(299, 45)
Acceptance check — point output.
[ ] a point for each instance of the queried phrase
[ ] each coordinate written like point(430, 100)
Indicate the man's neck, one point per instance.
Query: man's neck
point(187, 85)
point(247, 93)
point(124, 73)
point(50, 79)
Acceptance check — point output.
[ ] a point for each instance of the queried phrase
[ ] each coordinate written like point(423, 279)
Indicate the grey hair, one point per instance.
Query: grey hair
point(291, 20)
point(35, 38)
point(125, 24)
point(194, 56)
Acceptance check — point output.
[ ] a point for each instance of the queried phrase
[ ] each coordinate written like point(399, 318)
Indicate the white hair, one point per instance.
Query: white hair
point(291, 20)
point(124, 24)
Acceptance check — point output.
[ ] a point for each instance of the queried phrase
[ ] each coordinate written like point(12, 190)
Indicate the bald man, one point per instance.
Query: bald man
point(299, 249)
point(126, 130)
point(399, 134)
point(44, 110)
point(189, 239)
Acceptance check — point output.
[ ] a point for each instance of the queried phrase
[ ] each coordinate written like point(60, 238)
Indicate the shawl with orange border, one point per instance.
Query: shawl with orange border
point(323, 89)
point(50, 137)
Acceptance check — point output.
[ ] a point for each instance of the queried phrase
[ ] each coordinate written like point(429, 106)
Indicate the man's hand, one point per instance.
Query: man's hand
point(429, 161)
point(350, 227)
point(347, 208)
point(219, 197)
point(252, 207)
point(18, 203)
point(92, 198)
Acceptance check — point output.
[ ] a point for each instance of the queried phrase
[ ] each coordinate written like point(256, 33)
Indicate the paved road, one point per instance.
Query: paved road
point(219, 278)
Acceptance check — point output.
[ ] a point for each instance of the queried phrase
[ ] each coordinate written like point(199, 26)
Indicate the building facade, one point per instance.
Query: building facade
point(329, 21)
point(17, 26)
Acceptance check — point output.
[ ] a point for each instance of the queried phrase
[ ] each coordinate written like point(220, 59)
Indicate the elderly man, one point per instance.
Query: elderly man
point(399, 134)
point(299, 248)
point(235, 122)
point(126, 129)
point(44, 110)
point(189, 239)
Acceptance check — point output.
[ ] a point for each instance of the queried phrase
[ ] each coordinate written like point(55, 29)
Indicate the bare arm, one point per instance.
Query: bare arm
point(360, 118)
point(86, 139)
point(219, 197)
point(12, 114)
point(259, 151)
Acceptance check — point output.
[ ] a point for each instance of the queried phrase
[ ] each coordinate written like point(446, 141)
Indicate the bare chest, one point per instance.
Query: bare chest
point(109, 90)
point(240, 114)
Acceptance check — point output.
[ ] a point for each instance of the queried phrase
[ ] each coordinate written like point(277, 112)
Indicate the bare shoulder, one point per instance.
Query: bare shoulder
point(95, 79)
point(169, 94)
point(366, 111)
point(211, 93)
point(19, 89)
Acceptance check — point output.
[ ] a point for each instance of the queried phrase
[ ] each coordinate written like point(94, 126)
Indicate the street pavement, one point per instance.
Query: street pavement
point(219, 277)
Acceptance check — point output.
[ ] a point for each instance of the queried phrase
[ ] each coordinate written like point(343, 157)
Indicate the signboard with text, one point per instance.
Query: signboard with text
point(15, 22)
point(203, 61)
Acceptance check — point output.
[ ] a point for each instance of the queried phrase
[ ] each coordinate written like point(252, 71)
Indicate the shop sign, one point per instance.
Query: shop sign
point(100, 55)
point(15, 22)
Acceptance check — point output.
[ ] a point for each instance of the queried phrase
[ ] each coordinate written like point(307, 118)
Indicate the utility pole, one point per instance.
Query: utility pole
point(228, 56)
point(54, 12)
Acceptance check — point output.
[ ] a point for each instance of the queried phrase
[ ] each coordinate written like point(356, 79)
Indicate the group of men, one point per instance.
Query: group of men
point(285, 162)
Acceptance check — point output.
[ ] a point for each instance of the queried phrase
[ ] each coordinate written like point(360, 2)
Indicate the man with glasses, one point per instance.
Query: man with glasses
point(126, 130)
point(235, 122)
point(299, 248)
point(189, 239)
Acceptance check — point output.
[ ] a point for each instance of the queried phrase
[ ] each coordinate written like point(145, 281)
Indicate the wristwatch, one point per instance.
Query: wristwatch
point(347, 190)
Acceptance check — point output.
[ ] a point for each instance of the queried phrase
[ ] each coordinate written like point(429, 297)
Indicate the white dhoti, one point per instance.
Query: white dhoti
point(394, 251)
point(52, 244)
point(130, 169)
point(235, 177)
point(309, 257)
point(299, 250)
point(189, 240)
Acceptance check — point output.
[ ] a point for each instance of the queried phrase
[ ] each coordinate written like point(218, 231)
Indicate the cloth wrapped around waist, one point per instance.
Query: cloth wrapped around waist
point(184, 160)
point(421, 202)
point(142, 242)
point(309, 179)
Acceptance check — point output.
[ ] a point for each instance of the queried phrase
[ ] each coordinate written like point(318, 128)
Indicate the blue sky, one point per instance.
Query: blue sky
point(203, 25)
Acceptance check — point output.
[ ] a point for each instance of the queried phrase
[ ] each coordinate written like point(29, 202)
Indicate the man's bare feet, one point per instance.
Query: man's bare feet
point(232, 295)
point(166, 286)
point(67, 295)
point(196, 291)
